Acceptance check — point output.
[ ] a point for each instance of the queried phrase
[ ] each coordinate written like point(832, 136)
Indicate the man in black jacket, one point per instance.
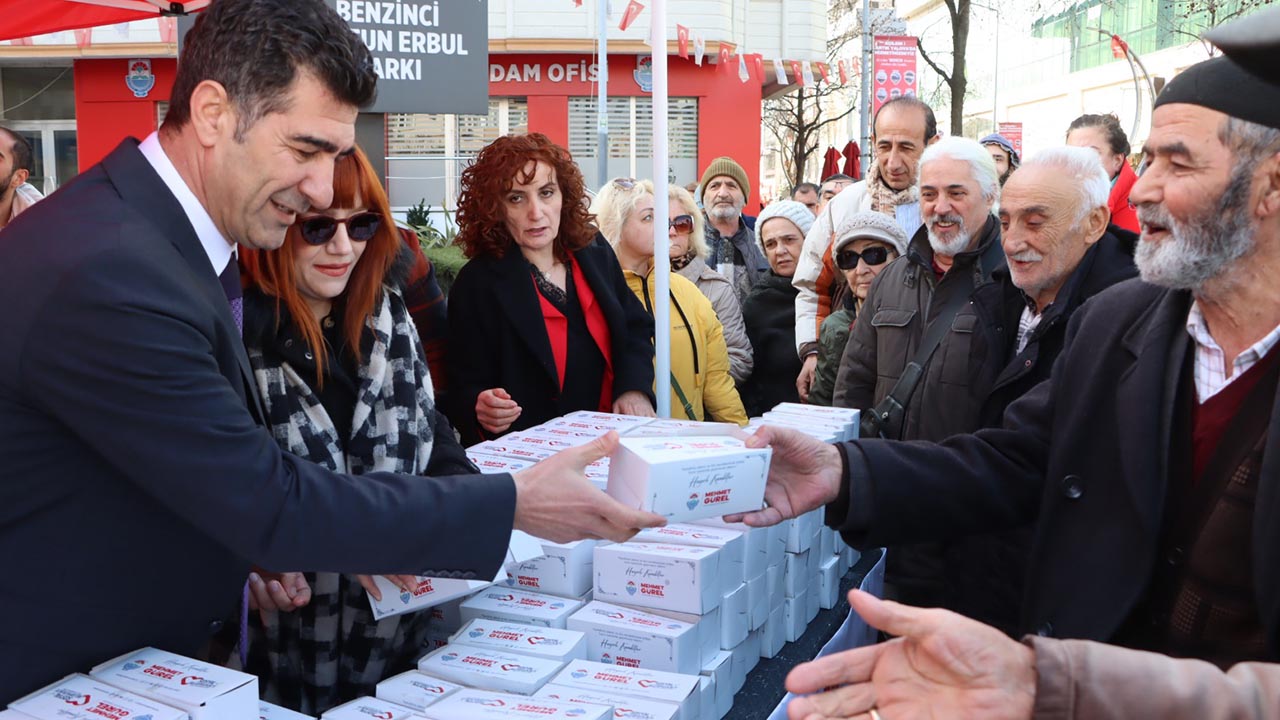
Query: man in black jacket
point(1060, 252)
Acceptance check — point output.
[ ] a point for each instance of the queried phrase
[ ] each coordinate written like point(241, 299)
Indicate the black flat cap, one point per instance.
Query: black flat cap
point(1223, 85)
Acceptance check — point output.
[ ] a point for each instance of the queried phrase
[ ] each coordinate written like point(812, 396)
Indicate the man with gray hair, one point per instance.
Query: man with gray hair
point(922, 300)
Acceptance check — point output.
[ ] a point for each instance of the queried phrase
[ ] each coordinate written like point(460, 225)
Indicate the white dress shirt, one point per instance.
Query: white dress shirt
point(216, 247)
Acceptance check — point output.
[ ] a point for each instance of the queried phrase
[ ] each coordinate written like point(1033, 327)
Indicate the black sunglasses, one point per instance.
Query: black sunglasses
point(320, 229)
point(872, 256)
point(681, 224)
point(624, 183)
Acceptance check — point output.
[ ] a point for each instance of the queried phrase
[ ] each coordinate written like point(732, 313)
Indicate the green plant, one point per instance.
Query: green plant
point(418, 217)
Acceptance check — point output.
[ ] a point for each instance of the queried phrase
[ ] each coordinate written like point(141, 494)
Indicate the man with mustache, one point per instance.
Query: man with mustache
point(1149, 458)
point(954, 253)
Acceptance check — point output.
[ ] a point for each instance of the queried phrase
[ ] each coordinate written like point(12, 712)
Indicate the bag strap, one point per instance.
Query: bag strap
point(688, 407)
point(887, 416)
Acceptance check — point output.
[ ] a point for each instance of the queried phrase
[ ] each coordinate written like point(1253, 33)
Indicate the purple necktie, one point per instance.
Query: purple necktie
point(230, 281)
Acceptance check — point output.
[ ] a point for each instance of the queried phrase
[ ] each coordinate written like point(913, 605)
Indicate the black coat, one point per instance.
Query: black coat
point(497, 338)
point(1087, 454)
point(769, 313)
point(984, 573)
point(132, 462)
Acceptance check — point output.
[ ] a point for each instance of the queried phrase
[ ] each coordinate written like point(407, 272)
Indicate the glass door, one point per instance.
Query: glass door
point(53, 151)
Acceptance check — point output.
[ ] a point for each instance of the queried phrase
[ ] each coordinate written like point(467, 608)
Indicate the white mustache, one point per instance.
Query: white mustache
point(1027, 256)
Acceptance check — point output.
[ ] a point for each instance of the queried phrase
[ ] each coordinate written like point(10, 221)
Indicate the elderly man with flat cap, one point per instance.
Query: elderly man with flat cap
point(1150, 458)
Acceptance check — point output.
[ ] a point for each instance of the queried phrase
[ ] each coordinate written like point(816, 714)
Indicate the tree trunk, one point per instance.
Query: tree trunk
point(959, 83)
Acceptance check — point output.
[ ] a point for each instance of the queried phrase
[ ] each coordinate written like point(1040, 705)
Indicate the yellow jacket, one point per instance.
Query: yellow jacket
point(699, 356)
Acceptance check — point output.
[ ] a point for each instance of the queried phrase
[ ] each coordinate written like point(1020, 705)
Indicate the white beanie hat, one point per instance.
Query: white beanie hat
point(870, 225)
point(789, 209)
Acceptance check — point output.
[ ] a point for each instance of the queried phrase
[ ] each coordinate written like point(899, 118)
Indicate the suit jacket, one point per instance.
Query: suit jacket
point(497, 337)
point(1087, 452)
point(137, 488)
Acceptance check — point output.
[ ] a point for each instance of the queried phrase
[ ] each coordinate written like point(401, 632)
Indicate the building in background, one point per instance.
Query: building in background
point(78, 94)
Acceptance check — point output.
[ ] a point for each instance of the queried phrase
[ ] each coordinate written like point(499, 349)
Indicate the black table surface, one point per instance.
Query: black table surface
point(764, 689)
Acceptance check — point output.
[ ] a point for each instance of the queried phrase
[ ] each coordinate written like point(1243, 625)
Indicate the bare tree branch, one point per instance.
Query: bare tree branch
point(946, 77)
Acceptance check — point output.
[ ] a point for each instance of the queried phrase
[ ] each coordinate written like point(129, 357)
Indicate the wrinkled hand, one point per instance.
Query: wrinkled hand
point(941, 665)
point(634, 402)
point(804, 474)
point(808, 371)
point(555, 501)
point(495, 410)
point(270, 592)
point(404, 582)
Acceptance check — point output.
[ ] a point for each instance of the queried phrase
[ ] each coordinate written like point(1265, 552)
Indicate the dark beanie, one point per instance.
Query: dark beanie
point(1223, 85)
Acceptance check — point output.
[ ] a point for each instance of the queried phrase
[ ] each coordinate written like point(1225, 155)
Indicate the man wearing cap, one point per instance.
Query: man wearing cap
point(1151, 457)
point(1002, 152)
point(731, 243)
point(902, 129)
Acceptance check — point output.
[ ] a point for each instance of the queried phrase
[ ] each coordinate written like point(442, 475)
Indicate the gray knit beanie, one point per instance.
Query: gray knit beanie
point(789, 209)
point(870, 225)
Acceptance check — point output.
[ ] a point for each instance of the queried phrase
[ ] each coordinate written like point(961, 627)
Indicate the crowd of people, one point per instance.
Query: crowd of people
point(1066, 428)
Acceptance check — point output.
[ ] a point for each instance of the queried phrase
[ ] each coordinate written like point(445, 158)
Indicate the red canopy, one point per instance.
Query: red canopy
point(27, 18)
point(830, 163)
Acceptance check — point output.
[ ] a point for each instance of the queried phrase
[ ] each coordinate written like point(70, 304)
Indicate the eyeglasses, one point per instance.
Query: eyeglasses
point(320, 229)
point(872, 256)
point(624, 183)
point(681, 224)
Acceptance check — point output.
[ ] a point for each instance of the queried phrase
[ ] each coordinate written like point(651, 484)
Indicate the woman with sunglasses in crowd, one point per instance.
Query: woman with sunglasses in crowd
point(770, 308)
point(688, 252)
point(343, 376)
point(701, 387)
point(540, 320)
point(866, 242)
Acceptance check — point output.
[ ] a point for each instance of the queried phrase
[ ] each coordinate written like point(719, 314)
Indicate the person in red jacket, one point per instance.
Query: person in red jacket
point(1104, 134)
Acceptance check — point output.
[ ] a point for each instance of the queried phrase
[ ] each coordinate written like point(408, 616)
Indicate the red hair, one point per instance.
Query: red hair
point(482, 209)
point(272, 271)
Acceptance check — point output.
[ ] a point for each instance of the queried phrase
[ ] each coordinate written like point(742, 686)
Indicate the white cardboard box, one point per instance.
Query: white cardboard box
point(683, 578)
point(447, 616)
point(550, 643)
point(80, 697)
point(497, 464)
point(518, 451)
point(617, 635)
point(720, 670)
point(680, 428)
point(777, 546)
point(688, 478)
point(802, 531)
point(811, 610)
point(795, 573)
point(267, 711)
point(735, 617)
point(564, 569)
point(731, 543)
point(203, 690)
point(829, 583)
point(428, 592)
point(639, 682)
point(773, 634)
point(470, 704)
point(368, 708)
point(707, 696)
point(739, 666)
point(752, 653)
point(708, 627)
point(794, 610)
point(623, 706)
point(755, 543)
point(509, 604)
point(758, 600)
point(812, 424)
point(489, 669)
point(839, 414)
point(539, 440)
point(621, 423)
point(415, 690)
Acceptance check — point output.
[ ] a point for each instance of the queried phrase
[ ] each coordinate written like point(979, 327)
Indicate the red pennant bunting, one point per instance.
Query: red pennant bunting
point(168, 29)
point(844, 73)
point(758, 61)
point(823, 70)
point(726, 51)
point(682, 41)
point(797, 72)
point(634, 8)
point(84, 37)
point(1119, 48)
point(578, 3)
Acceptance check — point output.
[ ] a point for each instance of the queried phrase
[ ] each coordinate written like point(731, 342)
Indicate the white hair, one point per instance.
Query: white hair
point(981, 166)
point(1084, 168)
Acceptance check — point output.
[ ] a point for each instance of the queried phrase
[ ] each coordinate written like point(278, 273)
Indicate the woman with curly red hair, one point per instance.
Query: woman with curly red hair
point(540, 320)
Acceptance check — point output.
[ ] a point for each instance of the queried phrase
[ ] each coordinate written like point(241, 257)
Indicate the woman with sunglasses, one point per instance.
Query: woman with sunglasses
point(688, 250)
point(540, 320)
point(701, 387)
point(770, 308)
point(343, 377)
point(866, 242)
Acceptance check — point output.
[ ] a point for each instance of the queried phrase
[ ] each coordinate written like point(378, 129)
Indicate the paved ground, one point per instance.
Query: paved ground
point(763, 689)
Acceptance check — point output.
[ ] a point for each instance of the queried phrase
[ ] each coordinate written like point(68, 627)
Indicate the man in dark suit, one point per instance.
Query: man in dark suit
point(137, 486)
point(1151, 457)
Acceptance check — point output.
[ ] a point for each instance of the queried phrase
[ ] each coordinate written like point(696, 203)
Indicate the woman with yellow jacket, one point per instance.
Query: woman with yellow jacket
point(701, 388)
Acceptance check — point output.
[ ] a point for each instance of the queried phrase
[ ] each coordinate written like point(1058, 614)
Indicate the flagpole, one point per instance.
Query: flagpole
point(661, 241)
point(602, 101)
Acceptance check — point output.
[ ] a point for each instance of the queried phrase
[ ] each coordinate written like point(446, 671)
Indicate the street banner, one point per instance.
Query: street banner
point(632, 12)
point(797, 72)
point(779, 72)
point(682, 41)
point(895, 69)
point(1012, 131)
point(431, 56)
